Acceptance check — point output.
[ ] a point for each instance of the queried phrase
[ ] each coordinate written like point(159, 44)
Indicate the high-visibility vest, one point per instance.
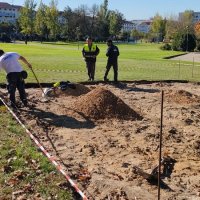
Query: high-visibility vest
point(92, 49)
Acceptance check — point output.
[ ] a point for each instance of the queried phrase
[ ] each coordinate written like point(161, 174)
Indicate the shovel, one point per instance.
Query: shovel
point(43, 93)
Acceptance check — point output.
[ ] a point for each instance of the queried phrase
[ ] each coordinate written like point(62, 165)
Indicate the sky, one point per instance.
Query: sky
point(131, 9)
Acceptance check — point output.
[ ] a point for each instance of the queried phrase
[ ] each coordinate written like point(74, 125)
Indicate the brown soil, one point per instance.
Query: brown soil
point(182, 97)
point(102, 104)
point(80, 89)
point(101, 155)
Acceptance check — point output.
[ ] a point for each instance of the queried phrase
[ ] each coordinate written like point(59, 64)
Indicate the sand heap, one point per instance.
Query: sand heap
point(182, 97)
point(101, 103)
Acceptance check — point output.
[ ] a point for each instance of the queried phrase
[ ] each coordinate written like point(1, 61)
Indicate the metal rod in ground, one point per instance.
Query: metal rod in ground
point(160, 145)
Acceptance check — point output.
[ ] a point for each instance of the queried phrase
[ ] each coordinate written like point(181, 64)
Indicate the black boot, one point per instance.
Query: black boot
point(25, 102)
point(105, 79)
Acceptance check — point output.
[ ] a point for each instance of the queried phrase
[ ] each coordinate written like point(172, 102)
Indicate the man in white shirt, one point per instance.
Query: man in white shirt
point(9, 62)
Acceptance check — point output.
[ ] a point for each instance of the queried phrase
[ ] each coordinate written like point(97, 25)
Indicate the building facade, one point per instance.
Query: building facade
point(142, 26)
point(9, 13)
point(195, 15)
point(128, 26)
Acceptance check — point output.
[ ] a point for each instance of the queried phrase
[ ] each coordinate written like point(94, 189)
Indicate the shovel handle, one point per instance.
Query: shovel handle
point(37, 81)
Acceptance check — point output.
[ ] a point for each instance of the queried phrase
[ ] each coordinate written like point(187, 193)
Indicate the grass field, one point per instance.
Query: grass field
point(63, 61)
point(25, 172)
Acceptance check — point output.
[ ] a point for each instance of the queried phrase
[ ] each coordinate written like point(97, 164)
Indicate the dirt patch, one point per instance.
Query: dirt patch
point(77, 91)
point(182, 97)
point(100, 154)
point(101, 104)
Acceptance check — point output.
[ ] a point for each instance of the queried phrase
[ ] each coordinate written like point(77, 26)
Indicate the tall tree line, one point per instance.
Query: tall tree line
point(47, 22)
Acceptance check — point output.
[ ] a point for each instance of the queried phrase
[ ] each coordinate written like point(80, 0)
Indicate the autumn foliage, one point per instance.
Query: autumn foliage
point(197, 29)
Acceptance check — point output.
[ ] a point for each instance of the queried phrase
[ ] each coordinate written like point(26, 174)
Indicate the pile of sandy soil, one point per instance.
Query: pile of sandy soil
point(101, 104)
point(182, 97)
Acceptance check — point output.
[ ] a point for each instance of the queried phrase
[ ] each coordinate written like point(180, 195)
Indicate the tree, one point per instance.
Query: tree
point(80, 23)
point(181, 31)
point(124, 35)
point(197, 34)
point(135, 34)
point(70, 25)
point(184, 42)
point(172, 26)
point(115, 22)
point(6, 32)
point(189, 42)
point(6, 28)
point(186, 22)
point(82, 15)
point(158, 27)
point(182, 24)
point(186, 19)
point(197, 30)
point(52, 19)
point(93, 12)
point(73, 29)
point(103, 22)
point(27, 17)
point(177, 41)
point(40, 21)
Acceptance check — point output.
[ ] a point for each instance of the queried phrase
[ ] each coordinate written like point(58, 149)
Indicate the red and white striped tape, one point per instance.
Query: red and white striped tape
point(51, 158)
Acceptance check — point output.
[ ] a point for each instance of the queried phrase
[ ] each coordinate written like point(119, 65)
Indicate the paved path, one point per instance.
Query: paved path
point(189, 57)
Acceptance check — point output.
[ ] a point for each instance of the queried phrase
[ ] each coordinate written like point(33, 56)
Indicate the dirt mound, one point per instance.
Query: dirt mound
point(79, 90)
point(182, 97)
point(101, 103)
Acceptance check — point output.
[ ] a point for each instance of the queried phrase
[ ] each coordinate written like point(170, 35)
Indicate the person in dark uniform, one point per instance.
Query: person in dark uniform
point(15, 75)
point(112, 54)
point(90, 52)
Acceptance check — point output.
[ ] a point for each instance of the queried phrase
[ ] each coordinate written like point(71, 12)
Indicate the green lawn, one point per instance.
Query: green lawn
point(25, 169)
point(63, 61)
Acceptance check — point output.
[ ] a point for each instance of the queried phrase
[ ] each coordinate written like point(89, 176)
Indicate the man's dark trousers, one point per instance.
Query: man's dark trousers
point(91, 69)
point(115, 68)
point(15, 80)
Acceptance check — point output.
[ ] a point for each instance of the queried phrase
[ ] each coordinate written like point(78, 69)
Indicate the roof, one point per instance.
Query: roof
point(145, 23)
point(9, 6)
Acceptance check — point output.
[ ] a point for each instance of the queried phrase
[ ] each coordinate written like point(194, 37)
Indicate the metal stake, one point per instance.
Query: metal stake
point(160, 145)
